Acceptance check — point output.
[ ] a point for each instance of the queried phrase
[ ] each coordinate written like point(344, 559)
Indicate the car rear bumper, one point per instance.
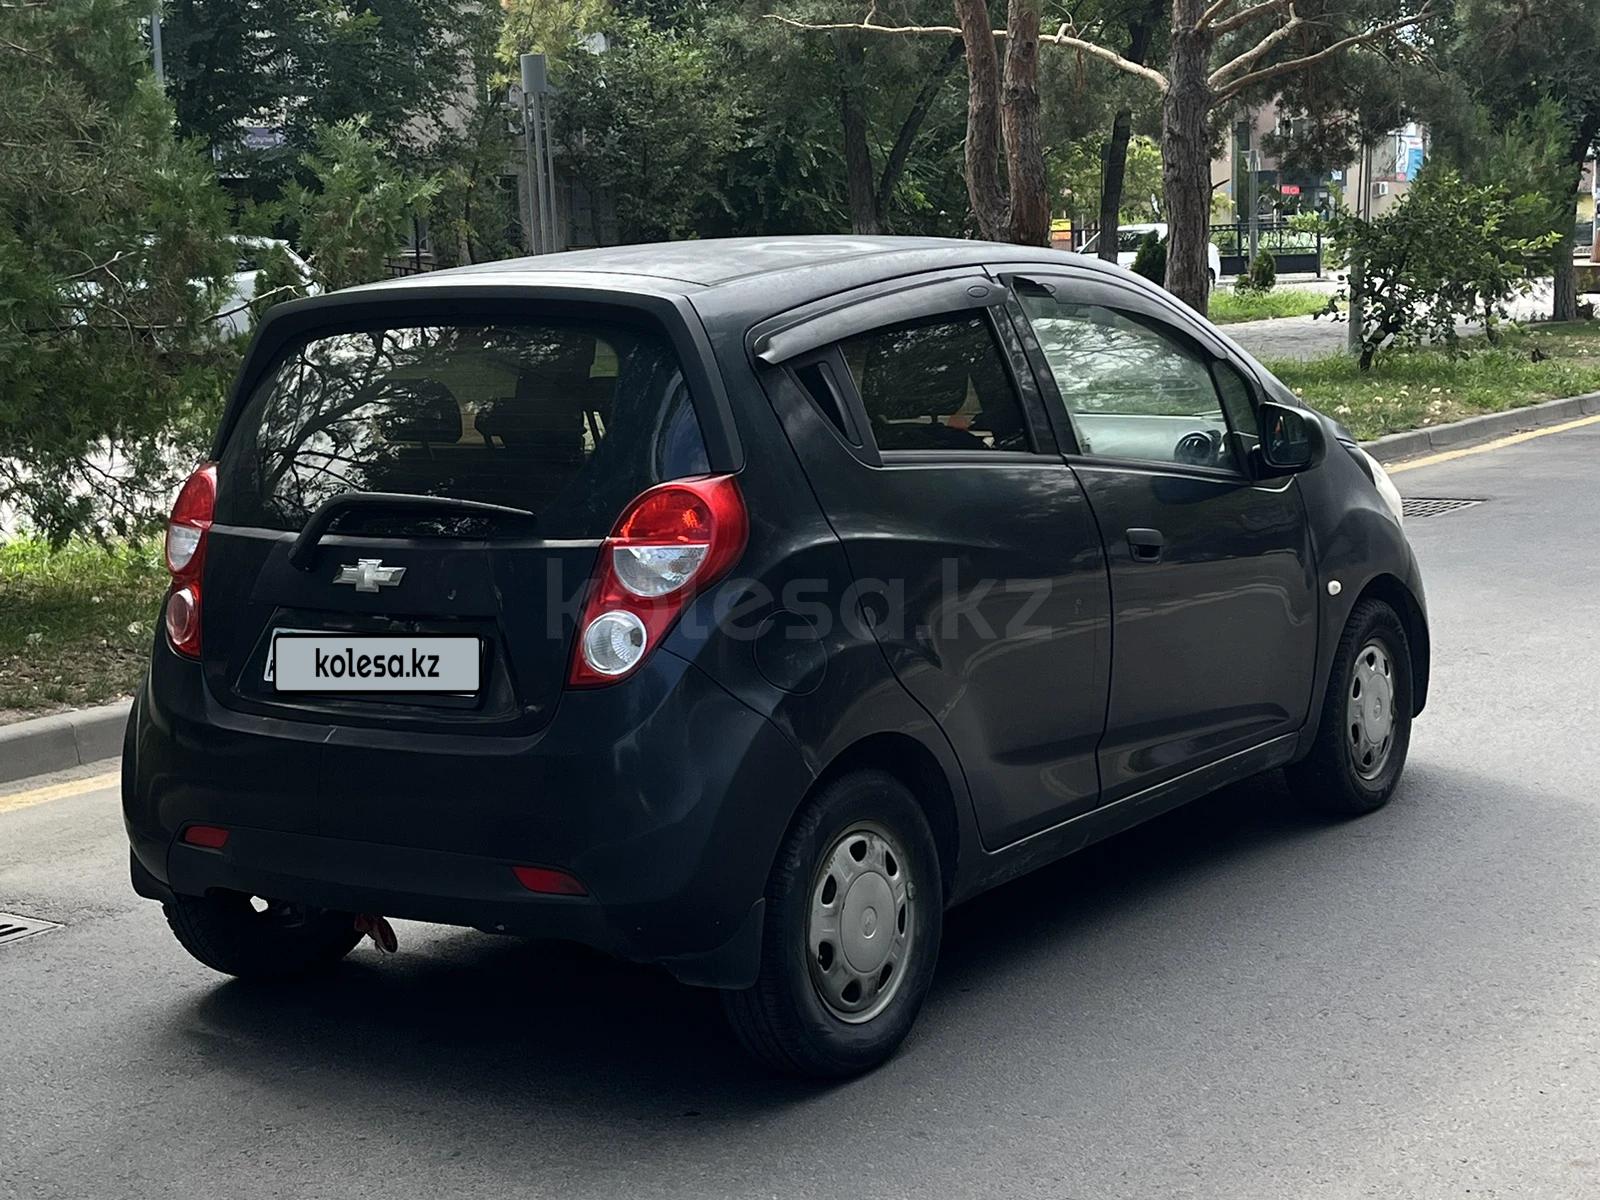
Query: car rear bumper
point(664, 796)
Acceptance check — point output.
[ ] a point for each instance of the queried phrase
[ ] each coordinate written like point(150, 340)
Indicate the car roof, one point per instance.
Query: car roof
point(750, 277)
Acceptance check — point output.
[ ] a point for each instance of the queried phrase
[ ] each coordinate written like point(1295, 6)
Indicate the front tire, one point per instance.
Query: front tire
point(854, 916)
point(1365, 730)
point(228, 932)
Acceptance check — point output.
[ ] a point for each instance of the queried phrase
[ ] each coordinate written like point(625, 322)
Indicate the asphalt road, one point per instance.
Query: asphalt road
point(1236, 1001)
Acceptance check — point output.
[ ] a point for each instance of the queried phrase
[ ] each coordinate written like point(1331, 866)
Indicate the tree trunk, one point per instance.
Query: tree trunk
point(1186, 156)
point(1019, 117)
point(895, 165)
point(988, 197)
point(1114, 174)
point(858, 174)
point(1565, 307)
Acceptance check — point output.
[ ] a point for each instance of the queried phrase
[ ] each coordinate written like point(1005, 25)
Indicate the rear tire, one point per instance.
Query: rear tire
point(1365, 730)
point(854, 915)
point(227, 933)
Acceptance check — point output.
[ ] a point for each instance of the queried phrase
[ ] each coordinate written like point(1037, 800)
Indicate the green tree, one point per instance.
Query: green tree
point(1079, 173)
point(1452, 251)
point(474, 216)
point(1218, 51)
point(843, 132)
point(112, 259)
point(549, 27)
point(298, 64)
point(361, 205)
point(1515, 58)
point(277, 280)
point(652, 121)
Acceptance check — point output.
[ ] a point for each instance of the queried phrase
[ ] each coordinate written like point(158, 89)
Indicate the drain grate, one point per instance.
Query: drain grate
point(1418, 507)
point(14, 928)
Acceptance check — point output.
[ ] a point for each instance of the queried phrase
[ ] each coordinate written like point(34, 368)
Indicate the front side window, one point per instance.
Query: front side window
point(1131, 389)
point(937, 384)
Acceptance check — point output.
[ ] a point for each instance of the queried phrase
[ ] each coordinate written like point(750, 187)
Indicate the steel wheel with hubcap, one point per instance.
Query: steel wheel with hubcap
point(1365, 728)
point(861, 931)
point(854, 912)
point(1370, 710)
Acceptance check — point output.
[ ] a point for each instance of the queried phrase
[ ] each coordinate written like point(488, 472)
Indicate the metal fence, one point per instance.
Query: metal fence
point(1297, 251)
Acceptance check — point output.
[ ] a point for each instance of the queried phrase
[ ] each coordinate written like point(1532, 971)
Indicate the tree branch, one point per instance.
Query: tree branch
point(1254, 55)
point(1240, 19)
point(901, 150)
point(1212, 12)
point(868, 26)
point(1060, 38)
point(1327, 52)
point(1149, 74)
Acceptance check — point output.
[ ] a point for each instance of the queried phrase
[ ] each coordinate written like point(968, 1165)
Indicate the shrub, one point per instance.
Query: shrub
point(1450, 251)
point(1264, 271)
point(1151, 260)
point(362, 207)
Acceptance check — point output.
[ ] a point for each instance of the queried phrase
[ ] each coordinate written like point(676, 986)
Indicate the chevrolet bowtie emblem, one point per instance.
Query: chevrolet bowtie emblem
point(369, 574)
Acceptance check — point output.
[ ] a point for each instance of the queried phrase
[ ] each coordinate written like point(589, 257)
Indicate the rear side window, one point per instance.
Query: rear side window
point(937, 384)
point(569, 421)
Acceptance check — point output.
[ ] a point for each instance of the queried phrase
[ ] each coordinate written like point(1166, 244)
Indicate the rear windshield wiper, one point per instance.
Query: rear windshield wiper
point(302, 554)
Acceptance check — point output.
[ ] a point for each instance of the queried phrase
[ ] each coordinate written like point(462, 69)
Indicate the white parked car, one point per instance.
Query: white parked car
point(1129, 237)
point(233, 314)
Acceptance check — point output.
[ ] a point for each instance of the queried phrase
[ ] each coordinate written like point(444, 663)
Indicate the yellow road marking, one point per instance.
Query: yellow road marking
point(1497, 444)
point(58, 791)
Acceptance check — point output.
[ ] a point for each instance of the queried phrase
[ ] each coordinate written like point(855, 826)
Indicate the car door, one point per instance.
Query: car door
point(1213, 584)
point(977, 563)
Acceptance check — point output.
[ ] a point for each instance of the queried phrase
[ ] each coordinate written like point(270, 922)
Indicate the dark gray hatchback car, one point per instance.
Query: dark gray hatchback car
point(741, 606)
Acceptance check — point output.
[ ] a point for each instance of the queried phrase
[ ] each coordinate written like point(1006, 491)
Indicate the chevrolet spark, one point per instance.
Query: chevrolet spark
point(739, 607)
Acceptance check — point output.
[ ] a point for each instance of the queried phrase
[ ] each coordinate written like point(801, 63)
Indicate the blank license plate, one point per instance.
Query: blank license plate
point(353, 663)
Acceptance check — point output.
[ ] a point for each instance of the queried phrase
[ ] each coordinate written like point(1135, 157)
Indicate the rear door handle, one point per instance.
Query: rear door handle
point(1145, 545)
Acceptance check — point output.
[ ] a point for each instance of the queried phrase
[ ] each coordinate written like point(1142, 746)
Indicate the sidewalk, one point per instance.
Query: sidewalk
point(1302, 338)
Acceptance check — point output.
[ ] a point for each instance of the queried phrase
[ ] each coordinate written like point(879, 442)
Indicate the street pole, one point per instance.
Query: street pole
point(530, 178)
point(556, 241)
point(1253, 161)
point(546, 200)
point(541, 179)
point(155, 48)
point(1355, 279)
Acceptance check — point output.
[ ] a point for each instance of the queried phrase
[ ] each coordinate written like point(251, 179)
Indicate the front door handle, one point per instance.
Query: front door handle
point(1145, 545)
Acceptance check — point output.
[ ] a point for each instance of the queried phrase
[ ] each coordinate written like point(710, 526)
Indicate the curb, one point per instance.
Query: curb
point(1394, 447)
point(62, 741)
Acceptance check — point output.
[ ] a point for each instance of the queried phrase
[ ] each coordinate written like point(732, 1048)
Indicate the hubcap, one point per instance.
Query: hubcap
point(860, 931)
point(1369, 711)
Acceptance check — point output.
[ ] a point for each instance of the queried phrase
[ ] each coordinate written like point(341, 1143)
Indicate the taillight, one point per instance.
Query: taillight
point(192, 514)
point(671, 543)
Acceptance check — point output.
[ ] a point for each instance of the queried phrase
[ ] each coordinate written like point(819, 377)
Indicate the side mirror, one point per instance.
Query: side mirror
point(1291, 439)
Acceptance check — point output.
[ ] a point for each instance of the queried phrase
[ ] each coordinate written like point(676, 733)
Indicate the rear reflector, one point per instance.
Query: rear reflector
point(208, 837)
point(548, 881)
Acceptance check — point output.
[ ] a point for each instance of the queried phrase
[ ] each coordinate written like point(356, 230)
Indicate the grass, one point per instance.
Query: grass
point(1416, 388)
point(1228, 306)
point(75, 623)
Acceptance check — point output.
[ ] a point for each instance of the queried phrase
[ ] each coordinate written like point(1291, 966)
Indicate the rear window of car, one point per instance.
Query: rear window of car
point(566, 420)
